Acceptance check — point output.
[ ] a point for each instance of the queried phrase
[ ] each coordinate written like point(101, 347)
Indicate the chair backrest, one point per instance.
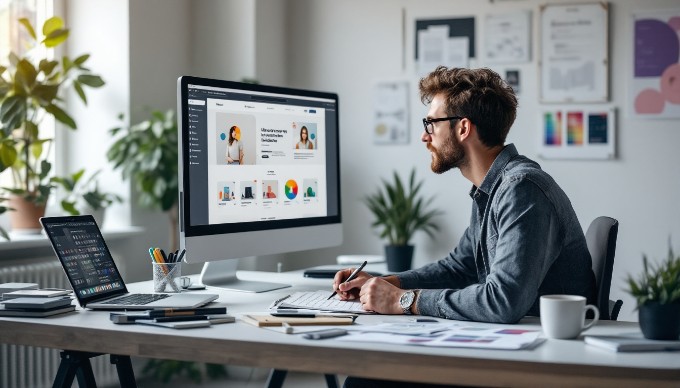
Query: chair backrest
point(601, 239)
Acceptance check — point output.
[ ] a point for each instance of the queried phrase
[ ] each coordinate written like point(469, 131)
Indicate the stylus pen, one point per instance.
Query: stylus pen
point(330, 333)
point(351, 277)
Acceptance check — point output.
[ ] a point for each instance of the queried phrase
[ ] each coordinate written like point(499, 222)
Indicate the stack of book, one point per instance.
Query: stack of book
point(11, 287)
point(34, 302)
point(180, 318)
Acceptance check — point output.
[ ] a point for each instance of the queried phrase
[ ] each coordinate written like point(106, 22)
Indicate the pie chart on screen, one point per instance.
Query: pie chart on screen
point(291, 189)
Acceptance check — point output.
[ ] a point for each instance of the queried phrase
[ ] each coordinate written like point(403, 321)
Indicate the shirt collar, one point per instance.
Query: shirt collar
point(496, 170)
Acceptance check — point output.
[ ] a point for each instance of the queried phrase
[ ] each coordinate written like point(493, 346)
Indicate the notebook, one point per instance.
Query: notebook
point(94, 277)
point(630, 343)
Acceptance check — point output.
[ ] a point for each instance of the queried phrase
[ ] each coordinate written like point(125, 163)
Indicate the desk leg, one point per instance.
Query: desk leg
point(331, 381)
point(73, 363)
point(276, 378)
point(126, 375)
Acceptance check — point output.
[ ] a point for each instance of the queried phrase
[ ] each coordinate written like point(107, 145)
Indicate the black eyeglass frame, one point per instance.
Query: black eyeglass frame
point(427, 122)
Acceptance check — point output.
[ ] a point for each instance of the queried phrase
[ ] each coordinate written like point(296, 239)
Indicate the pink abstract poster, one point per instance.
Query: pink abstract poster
point(656, 68)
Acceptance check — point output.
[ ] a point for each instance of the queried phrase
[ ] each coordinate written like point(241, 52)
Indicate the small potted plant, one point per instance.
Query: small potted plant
point(84, 196)
point(657, 291)
point(399, 212)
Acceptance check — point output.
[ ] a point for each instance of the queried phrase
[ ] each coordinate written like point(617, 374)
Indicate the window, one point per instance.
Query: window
point(15, 38)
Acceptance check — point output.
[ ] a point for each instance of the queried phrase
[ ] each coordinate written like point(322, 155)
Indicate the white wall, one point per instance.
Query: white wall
point(346, 46)
point(96, 30)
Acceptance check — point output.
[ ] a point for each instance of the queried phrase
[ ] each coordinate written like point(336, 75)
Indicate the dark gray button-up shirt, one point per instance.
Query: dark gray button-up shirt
point(524, 241)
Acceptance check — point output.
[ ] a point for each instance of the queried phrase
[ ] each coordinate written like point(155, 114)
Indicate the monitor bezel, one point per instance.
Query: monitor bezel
point(239, 227)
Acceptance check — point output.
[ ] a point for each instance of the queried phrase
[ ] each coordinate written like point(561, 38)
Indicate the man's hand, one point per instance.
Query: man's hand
point(381, 296)
point(349, 290)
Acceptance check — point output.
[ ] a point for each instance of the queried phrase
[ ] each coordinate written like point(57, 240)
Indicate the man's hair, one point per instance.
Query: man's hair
point(480, 95)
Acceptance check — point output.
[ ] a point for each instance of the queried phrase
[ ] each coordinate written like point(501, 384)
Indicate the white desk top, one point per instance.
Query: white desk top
point(241, 343)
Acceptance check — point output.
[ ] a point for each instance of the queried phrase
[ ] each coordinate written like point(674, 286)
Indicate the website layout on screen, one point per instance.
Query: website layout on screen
point(264, 158)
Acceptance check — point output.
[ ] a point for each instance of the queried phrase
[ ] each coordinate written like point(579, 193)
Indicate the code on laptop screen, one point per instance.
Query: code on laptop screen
point(85, 257)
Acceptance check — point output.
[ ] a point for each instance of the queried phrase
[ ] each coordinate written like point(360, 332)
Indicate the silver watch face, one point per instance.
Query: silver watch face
point(406, 299)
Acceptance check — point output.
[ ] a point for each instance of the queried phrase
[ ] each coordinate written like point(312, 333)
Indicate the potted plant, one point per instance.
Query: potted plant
point(147, 154)
point(657, 291)
point(31, 88)
point(399, 212)
point(84, 196)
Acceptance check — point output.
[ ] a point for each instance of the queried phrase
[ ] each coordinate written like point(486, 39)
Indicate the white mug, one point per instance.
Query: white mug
point(563, 316)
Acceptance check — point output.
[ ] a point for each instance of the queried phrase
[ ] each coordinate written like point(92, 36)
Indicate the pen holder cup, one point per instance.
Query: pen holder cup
point(166, 277)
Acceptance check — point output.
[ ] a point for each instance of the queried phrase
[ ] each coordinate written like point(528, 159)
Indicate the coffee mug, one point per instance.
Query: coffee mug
point(563, 316)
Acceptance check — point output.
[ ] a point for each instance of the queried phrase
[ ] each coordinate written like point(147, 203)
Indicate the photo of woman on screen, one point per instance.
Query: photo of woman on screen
point(304, 143)
point(235, 147)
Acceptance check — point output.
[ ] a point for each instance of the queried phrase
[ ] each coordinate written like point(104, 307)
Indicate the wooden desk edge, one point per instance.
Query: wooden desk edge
point(374, 364)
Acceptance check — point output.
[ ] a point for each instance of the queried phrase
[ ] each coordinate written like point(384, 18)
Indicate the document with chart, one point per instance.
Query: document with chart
point(318, 300)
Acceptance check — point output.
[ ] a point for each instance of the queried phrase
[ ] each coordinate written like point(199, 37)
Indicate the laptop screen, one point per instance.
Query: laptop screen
point(84, 256)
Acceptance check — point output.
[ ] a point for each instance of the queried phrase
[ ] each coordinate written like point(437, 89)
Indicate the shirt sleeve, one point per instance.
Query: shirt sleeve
point(528, 242)
point(456, 270)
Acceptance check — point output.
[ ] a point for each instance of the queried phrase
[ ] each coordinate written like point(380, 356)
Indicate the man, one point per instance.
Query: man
point(524, 239)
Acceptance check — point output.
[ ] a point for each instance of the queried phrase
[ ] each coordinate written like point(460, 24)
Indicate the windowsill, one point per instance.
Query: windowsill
point(26, 242)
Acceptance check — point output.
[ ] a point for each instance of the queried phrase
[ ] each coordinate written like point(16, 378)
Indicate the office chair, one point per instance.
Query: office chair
point(601, 240)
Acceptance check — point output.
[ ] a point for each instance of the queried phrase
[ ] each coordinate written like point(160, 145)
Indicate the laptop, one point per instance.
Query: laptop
point(94, 277)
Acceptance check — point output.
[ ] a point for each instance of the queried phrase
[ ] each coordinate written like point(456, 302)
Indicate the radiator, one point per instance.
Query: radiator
point(27, 366)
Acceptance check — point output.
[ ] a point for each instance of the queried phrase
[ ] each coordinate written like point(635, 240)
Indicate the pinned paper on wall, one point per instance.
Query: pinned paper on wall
point(390, 117)
point(444, 42)
point(508, 37)
point(655, 87)
point(574, 60)
point(578, 133)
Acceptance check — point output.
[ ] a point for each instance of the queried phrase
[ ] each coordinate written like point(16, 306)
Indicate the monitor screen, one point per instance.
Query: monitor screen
point(259, 169)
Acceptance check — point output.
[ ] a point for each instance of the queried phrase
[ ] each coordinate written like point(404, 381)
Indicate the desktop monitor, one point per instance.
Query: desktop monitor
point(248, 154)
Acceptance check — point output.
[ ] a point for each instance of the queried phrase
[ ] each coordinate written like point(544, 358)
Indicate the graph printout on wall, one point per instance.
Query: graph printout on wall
point(655, 88)
point(578, 133)
point(574, 44)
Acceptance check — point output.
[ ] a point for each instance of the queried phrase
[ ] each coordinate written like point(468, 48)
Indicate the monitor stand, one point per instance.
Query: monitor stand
point(222, 274)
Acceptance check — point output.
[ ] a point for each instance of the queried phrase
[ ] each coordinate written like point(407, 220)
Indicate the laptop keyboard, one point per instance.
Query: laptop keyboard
point(137, 299)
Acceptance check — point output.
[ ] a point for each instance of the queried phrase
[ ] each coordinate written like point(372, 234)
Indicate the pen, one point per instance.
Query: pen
point(159, 257)
point(288, 329)
point(181, 255)
point(351, 277)
point(330, 333)
point(153, 258)
point(182, 318)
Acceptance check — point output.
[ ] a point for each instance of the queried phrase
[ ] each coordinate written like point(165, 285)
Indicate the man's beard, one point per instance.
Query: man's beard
point(451, 155)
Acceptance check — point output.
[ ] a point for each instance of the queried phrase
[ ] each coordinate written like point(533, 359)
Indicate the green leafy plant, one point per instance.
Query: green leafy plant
point(400, 211)
point(147, 154)
point(31, 88)
point(87, 189)
point(660, 284)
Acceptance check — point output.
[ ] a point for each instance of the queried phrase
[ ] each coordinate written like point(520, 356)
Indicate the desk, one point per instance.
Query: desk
point(554, 362)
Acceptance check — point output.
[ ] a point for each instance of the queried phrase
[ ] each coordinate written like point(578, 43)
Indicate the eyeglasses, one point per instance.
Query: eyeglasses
point(428, 123)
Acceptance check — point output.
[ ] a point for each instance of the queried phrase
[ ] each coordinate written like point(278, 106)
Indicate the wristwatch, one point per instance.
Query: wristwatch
point(406, 301)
